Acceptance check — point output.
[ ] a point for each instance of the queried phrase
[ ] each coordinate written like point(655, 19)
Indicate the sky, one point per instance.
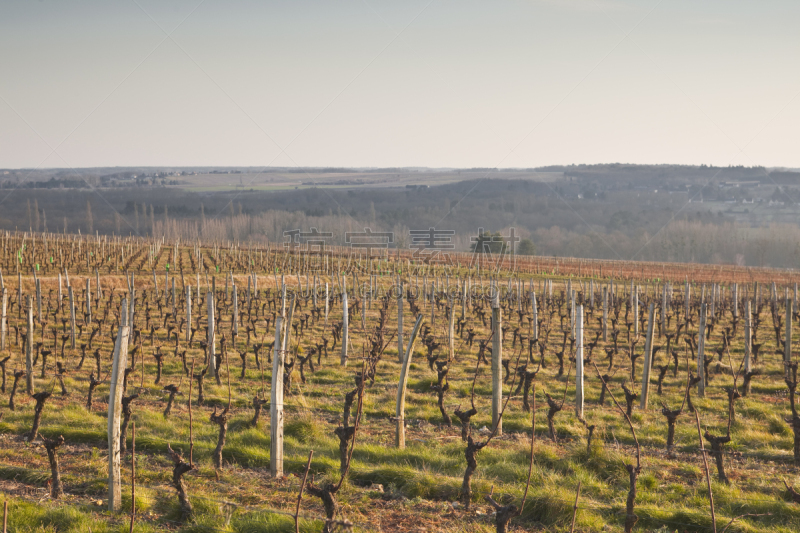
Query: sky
point(374, 83)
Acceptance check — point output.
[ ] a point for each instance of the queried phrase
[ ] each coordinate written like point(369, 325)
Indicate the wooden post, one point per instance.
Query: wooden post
point(60, 295)
point(787, 345)
point(371, 291)
point(71, 315)
point(433, 306)
point(497, 363)
point(235, 325)
point(211, 356)
point(748, 342)
point(701, 346)
point(38, 300)
point(327, 303)
point(276, 404)
point(635, 298)
point(120, 361)
point(648, 357)
point(535, 315)
point(400, 323)
point(345, 321)
point(605, 314)
point(686, 296)
point(663, 322)
point(89, 300)
point(4, 320)
point(736, 300)
point(287, 328)
point(131, 315)
point(314, 293)
point(451, 341)
point(572, 310)
point(188, 312)
point(713, 299)
point(579, 362)
point(400, 433)
point(29, 349)
point(424, 289)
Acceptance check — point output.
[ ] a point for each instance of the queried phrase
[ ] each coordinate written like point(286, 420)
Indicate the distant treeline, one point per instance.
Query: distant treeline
point(52, 183)
point(569, 217)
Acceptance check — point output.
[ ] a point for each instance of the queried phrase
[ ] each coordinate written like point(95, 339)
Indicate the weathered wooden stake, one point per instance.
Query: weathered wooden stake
point(38, 300)
point(497, 363)
point(686, 297)
point(327, 303)
point(400, 433)
point(701, 346)
point(71, 316)
point(572, 310)
point(748, 340)
point(451, 340)
point(345, 323)
point(605, 314)
point(188, 312)
point(120, 362)
point(29, 350)
point(648, 357)
point(89, 299)
point(464, 299)
point(400, 323)
point(131, 314)
point(211, 358)
point(787, 344)
point(235, 325)
point(579, 362)
point(314, 293)
point(276, 404)
point(287, 328)
point(4, 320)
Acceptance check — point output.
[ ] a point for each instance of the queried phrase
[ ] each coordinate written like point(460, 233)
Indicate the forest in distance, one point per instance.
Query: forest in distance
point(746, 216)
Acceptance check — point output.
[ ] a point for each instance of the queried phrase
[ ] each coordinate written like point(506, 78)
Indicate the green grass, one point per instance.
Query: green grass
point(425, 477)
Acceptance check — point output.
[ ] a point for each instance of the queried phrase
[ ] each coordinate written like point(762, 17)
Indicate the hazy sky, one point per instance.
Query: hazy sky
point(509, 83)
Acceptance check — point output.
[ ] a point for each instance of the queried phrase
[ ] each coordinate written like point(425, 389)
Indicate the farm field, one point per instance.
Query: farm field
point(301, 179)
point(204, 452)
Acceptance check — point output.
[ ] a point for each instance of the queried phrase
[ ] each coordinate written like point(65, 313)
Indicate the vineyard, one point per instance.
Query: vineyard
point(152, 386)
